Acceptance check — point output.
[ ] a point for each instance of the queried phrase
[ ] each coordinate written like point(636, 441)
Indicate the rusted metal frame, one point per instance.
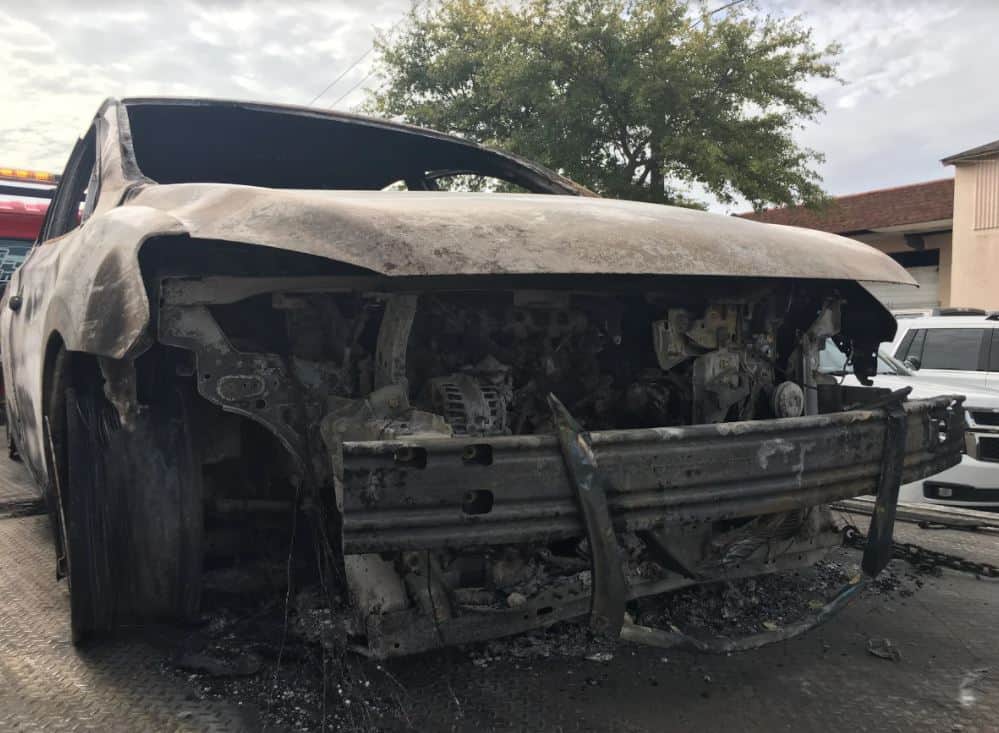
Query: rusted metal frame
point(393, 339)
point(609, 587)
point(257, 386)
point(879, 548)
point(826, 325)
point(447, 528)
point(120, 388)
point(222, 289)
point(407, 632)
point(457, 534)
point(655, 477)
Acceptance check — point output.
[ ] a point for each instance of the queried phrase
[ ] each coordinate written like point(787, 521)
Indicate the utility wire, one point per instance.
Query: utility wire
point(726, 6)
point(342, 74)
point(360, 59)
point(348, 92)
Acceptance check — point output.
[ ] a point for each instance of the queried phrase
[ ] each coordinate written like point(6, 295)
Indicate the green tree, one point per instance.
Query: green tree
point(636, 99)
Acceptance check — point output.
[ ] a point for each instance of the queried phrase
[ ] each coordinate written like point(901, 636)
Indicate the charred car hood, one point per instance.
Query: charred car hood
point(409, 233)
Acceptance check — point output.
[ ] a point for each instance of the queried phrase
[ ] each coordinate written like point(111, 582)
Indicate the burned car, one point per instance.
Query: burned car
point(484, 412)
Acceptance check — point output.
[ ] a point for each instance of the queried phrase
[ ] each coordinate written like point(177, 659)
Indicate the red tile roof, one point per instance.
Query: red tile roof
point(887, 207)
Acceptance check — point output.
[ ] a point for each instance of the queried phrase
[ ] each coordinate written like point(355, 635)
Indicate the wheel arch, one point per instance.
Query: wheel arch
point(61, 369)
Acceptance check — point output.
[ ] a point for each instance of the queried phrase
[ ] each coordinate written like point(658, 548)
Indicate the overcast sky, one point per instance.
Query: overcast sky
point(919, 77)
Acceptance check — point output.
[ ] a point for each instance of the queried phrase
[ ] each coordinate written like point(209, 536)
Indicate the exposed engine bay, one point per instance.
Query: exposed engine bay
point(615, 362)
point(483, 363)
point(364, 388)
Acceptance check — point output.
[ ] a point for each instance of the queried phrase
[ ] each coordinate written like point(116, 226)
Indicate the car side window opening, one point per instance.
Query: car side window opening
point(90, 197)
point(956, 349)
point(912, 345)
point(994, 355)
point(76, 196)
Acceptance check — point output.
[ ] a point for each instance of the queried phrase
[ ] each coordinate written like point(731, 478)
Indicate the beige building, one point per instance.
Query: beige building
point(974, 267)
point(944, 232)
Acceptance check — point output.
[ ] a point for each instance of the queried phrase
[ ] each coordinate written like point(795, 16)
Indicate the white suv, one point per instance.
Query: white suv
point(974, 482)
point(955, 346)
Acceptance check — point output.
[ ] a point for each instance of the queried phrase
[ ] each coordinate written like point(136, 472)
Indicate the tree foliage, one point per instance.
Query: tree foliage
point(637, 99)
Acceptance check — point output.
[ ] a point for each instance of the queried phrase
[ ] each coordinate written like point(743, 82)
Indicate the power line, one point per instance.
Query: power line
point(360, 59)
point(348, 92)
point(342, 74)
point(726, 6)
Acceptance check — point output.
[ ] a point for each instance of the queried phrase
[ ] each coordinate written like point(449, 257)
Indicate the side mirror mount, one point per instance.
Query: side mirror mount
point(913, 363)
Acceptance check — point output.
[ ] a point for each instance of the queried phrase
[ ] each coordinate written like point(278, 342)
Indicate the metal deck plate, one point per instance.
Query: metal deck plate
point(18, 495)
point(47, 684)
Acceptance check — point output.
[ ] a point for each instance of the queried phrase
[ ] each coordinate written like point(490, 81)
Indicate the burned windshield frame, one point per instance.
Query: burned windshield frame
point(270, 146)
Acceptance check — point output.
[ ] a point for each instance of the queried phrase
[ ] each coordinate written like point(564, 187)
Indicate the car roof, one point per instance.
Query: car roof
point(947, 322)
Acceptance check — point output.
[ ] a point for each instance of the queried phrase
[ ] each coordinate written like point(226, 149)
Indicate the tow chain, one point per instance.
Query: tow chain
point(922, 558)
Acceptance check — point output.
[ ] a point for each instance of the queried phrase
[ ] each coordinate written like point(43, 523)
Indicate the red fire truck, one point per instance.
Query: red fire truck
point(24, 199)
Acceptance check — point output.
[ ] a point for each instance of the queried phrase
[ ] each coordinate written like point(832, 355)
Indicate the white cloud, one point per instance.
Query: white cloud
point(205, 33)
point(916, 86)
point(59, 62)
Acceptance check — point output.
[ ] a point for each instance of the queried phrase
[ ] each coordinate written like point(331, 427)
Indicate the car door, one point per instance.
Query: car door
point(992, 377)
point(28, 301)
point(951, 355)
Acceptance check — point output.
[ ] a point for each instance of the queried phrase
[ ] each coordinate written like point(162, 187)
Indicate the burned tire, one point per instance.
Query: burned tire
point(90, 516)
point(134, 515)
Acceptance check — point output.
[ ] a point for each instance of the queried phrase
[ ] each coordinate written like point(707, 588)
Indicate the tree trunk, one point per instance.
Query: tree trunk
point(657, 184)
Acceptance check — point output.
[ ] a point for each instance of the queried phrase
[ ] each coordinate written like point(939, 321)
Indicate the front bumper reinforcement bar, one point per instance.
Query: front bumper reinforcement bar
point(609, 587)
point(461, 493)
point(434, 493)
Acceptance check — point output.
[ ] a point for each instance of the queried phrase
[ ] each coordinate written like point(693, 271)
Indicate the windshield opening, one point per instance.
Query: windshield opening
point(256, 145)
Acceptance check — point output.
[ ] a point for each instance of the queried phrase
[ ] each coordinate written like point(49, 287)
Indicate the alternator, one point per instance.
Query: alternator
point(468, 406)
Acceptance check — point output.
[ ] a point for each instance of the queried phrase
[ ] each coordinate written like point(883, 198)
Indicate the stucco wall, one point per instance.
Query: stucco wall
point(946, 268)
point(975, 258)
